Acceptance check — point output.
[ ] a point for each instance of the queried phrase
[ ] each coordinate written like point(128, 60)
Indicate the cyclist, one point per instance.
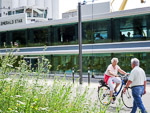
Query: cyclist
point(111, 76)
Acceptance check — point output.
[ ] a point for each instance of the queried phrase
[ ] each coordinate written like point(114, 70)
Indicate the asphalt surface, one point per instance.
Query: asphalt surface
point(112, 109)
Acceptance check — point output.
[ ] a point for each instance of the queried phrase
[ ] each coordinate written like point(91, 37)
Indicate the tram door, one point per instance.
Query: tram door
point(33, 61)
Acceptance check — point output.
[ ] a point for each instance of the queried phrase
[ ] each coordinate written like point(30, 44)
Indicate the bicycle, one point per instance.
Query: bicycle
point(104, 93)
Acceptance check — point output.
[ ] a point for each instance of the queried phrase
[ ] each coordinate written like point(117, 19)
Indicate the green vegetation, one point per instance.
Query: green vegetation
point(25, 91)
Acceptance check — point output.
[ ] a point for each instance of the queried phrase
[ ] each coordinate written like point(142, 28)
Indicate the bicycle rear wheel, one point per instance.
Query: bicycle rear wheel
point(104, 95)
point(127, 98)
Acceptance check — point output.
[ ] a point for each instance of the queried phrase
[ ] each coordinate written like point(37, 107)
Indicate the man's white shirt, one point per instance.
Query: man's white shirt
point(137, 76)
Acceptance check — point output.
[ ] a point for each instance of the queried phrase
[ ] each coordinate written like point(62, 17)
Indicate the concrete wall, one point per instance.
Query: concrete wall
point(69, 14)
point(15, 4)
point(48, 4)
point(55, 9)
point(5, 5)
point(94, 9)
point(30, 2)
point(22, 3)
point(40, 3)
point(51, 5)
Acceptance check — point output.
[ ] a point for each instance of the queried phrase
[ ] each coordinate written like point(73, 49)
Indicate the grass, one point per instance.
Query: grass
point(25, 91)
point(20, 95)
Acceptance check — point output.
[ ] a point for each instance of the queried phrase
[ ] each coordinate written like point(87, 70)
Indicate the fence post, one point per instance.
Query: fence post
point(88, 75)
point(73, 74)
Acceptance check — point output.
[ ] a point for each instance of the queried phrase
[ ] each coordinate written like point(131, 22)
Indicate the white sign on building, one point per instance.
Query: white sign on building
point(19, 19)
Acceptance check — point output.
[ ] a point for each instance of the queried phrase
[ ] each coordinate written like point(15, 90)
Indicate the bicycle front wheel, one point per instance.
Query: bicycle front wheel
point(104, 95)
point(127, 98)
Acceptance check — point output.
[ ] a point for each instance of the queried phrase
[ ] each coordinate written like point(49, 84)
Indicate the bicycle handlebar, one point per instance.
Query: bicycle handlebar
point(122, 76)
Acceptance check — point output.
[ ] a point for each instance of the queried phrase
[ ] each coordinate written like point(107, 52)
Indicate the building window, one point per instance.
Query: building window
point(29, 14)
point(19, 11)
point(19, 37)
point(131, 28)
point(64, 34)
point(96, 31)
point(9, 12)
point(38, 37)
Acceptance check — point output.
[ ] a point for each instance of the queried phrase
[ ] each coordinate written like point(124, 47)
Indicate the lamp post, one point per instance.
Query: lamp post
point(80, 42)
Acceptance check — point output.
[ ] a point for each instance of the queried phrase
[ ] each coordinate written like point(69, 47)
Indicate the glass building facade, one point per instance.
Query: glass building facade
point(132, 28)
point(98, 62)
point(121, 29)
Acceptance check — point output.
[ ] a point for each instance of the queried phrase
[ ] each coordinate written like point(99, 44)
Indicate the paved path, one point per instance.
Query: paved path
point(93, 87)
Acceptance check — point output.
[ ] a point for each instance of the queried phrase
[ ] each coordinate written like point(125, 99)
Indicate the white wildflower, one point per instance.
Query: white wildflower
point(18, 96)
point(9, 65)
point(44, 109)
point(20, 102)
point(18, 68)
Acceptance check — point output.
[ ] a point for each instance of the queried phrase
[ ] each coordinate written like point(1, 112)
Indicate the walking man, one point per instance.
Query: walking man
point(137, 79)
